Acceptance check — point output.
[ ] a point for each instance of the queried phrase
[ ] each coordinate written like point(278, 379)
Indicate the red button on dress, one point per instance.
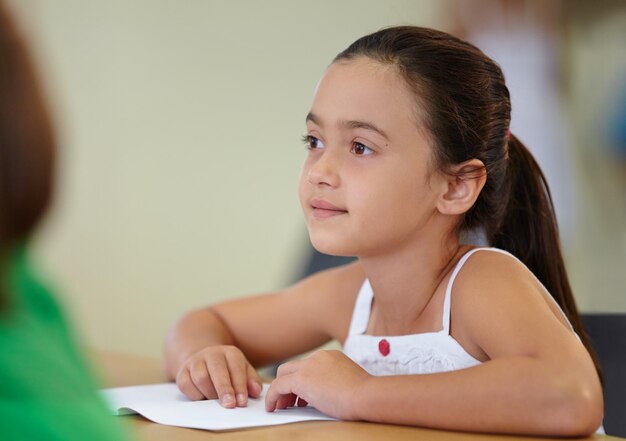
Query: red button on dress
point(383, 347)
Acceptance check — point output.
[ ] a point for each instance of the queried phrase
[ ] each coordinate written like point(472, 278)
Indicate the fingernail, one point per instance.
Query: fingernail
point(241, 399)
point(228, 400)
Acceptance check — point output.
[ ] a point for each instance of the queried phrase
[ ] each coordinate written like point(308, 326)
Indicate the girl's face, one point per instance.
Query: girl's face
point(367, 185)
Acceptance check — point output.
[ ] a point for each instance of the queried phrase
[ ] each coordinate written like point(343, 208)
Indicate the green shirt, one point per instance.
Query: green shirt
point(46, 391)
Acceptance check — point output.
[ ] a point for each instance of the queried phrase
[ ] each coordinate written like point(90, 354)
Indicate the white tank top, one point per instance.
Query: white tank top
point(424, 353)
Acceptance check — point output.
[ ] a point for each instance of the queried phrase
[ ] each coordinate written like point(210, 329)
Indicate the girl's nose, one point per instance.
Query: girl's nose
point(324, 171)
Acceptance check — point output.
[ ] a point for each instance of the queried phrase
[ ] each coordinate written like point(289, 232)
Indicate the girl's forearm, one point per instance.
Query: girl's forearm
point(191, 333)
point(508, 395)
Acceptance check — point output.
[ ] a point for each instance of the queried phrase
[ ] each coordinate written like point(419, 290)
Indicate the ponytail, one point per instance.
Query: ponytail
point(529, 231)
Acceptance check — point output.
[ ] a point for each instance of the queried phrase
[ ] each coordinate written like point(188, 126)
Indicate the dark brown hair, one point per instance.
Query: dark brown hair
point(466, 109)
point(26, 143)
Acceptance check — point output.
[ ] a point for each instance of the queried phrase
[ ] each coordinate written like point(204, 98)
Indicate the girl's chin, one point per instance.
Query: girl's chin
point(331, 247)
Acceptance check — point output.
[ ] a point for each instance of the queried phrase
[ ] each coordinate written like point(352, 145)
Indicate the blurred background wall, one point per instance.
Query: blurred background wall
point(179, 126)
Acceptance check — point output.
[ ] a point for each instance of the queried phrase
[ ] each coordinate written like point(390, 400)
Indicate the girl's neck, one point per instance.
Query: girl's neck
point(405, 280)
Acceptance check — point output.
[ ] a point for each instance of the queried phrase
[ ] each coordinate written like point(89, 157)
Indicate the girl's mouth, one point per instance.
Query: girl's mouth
point(323, 209)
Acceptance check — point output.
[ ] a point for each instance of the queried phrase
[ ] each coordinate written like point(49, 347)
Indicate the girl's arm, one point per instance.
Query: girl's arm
point(522, 395)
point(210, 352)
point(539, 379)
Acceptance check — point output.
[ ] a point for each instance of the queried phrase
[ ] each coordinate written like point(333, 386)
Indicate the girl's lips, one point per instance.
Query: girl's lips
point(325, 205)
point(322, 213)
point(323, 209)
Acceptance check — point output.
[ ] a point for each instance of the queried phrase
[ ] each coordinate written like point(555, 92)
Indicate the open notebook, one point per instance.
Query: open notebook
point(165, 404)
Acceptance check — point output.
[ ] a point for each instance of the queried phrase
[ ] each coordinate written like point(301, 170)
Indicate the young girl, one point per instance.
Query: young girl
point(410, 149)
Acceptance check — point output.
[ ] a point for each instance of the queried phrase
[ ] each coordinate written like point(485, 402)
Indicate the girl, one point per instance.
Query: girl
point(409, 150)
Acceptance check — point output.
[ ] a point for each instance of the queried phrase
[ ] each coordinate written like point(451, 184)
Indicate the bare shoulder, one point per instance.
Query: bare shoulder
point(490, 277)
point(501, 307)
point(485, 270)
point(330, 295)
point(272, 326)
point(334, 279)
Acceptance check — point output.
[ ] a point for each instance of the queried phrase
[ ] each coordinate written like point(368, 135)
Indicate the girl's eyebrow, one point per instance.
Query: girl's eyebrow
point(351, 124)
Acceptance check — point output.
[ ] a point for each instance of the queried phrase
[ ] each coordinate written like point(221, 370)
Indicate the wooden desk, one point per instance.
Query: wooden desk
point(127, 370)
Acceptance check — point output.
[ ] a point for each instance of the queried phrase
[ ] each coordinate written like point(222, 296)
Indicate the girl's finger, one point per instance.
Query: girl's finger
point(255, 385)
point(220, 377)
point(201, 379)
point(238, 376)
point(186, 386)
point(289, 368)
point(285, 401)
point(292, 400)
point(279, 387)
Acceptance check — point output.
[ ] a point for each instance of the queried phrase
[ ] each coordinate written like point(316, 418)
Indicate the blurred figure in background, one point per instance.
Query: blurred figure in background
point(46, 391)
point(522, 36)
point(616, 116)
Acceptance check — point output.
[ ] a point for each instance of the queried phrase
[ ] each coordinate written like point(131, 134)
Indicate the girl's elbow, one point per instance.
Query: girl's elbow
point(580, 422)
point(580, 412)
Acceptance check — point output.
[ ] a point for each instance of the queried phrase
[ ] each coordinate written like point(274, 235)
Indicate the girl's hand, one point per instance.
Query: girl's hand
point(328, 380)
point(219, 372)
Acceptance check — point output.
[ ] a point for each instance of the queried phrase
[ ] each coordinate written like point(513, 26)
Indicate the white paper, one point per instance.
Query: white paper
point(165, 404)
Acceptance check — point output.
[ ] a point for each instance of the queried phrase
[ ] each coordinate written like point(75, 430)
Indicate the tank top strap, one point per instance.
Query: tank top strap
point(446, 304)
point(459, 265)
point(362, 309)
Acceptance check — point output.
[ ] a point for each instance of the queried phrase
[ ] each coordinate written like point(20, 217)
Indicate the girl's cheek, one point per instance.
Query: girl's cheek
point(303, 188)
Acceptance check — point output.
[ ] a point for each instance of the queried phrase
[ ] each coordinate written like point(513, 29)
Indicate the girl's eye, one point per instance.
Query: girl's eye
point(361, 149)
point(312, 143)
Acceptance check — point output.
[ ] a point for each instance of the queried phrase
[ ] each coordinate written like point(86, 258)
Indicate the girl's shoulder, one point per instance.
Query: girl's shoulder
point(341, 281)
point(492, 277)
point(492, 267)
point(495, 290)
point(331, 294)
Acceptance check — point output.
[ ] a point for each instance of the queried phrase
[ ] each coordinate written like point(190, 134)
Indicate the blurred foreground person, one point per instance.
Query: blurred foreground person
point(46, 391)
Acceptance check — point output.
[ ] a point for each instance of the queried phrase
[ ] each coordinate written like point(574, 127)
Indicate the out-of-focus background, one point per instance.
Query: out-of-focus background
point(179, 126)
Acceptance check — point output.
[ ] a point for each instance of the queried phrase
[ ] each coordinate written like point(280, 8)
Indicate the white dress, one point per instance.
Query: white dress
point(424, 353)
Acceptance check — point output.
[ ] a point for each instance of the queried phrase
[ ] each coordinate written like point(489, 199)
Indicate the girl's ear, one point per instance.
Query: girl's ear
point(464, 183)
